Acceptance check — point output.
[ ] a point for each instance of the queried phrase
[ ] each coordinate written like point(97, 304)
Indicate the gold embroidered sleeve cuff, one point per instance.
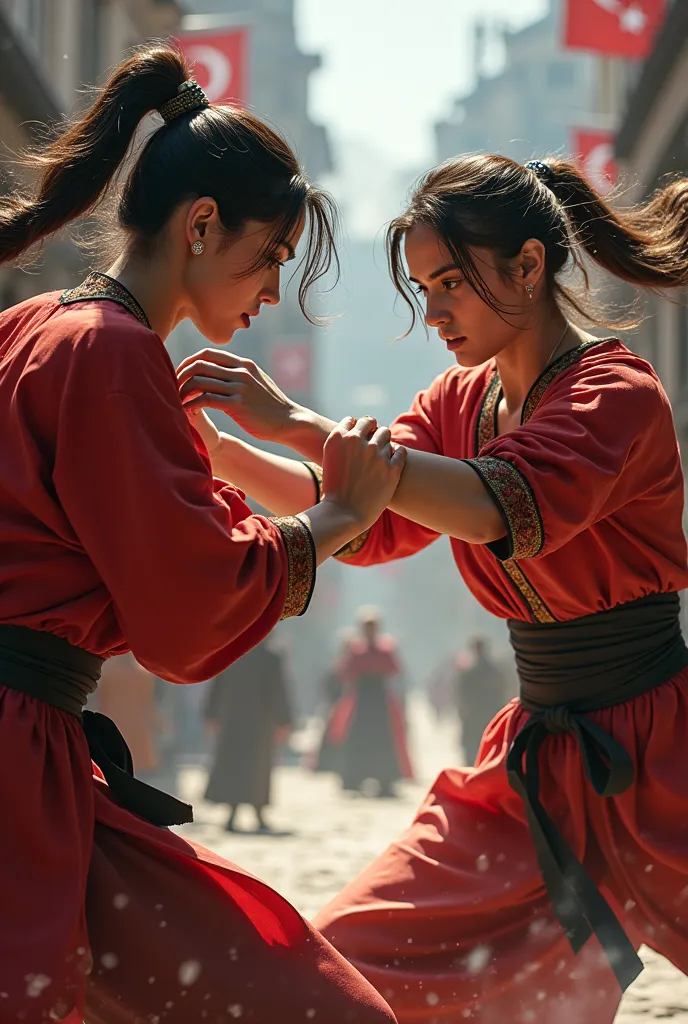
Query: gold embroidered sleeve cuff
point(516, 502)
point(317, 474)
point(298, 542)
point(353, 547)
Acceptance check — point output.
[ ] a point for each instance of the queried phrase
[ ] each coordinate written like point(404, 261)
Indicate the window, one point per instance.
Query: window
point(30, 15)
point(91, 27)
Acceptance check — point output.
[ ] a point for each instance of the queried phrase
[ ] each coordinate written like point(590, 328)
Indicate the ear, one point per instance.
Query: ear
point(203, 213)
point(531, 262)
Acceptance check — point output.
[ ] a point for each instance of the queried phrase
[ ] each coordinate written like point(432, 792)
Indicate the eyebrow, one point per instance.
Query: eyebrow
point(438, 273)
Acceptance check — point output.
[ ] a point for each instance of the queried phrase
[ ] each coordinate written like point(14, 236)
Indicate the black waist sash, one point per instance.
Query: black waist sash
point(567, 669)
point(52, 670)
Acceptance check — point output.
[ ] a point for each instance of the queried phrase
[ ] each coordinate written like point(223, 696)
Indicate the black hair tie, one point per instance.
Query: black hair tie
point(543, 171)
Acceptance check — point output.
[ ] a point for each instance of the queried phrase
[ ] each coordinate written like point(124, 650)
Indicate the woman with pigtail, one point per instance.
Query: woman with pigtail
point(526, 884)
point(115, 536)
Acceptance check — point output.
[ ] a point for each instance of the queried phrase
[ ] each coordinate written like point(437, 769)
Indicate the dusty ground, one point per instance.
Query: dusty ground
point(329, 838)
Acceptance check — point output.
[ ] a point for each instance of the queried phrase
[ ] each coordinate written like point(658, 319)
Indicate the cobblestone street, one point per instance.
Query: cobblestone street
point(329, 838)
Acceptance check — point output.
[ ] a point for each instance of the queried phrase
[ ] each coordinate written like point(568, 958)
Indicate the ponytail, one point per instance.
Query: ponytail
point(645, 245)
point(491, 202)
point(77, 167)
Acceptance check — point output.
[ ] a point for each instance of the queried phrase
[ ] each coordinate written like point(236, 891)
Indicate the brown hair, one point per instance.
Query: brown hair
point(222, 152)
point(493, 202)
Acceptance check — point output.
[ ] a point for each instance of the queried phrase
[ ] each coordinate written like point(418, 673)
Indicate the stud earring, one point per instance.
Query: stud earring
point(530, 288)
point(198, 247)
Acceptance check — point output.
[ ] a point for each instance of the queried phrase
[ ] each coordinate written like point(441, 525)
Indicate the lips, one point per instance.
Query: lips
point(453, 343)
point(246, 320)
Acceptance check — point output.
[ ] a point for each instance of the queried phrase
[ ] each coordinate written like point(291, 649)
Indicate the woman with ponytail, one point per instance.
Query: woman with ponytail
point(526, 883)
point(114, 535)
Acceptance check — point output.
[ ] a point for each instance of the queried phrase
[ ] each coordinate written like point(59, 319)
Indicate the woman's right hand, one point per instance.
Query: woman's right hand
point(361, 469)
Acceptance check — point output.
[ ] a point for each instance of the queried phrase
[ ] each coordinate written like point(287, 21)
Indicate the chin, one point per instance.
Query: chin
point(469, 361)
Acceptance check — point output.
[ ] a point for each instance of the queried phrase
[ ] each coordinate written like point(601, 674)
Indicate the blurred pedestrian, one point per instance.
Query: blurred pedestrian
point(440, 689)
point(367, 728)
point(480, 691)
point(127, 695)
point(115, 535)
point(325, 757)
point(550, 458)
point(249, 713)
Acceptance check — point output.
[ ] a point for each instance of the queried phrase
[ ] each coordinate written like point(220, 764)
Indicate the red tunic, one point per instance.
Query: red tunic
point(452, 922)
point(113, 534)
point(590, 485)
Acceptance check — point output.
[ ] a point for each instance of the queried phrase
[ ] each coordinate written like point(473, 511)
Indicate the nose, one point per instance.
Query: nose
point(270, 292)
point(435, 315)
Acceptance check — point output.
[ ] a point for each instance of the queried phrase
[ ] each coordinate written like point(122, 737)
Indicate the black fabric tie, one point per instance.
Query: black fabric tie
point(578, 903)
point(52, 670)
point(567, 670)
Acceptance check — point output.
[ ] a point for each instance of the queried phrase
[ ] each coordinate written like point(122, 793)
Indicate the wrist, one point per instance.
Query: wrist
point(349, 517)
point(306, 432)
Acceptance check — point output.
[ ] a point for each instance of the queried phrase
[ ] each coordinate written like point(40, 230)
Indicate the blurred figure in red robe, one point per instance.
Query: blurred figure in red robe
point(367, 725)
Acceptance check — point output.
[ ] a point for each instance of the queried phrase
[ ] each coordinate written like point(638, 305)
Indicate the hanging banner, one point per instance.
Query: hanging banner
point(616, 28)
point(221, 63)
point(594, 153)
point(290, 366)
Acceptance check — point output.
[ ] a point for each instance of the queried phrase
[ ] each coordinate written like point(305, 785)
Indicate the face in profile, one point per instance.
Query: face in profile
point(470, 328)
point(224, 288)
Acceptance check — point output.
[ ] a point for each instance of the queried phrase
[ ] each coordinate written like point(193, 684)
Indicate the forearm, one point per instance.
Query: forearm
point(447, 496)
point(283, 486)
point(331, 528)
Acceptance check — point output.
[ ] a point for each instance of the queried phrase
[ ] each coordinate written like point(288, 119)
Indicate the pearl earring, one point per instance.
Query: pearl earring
point(530, 288)
point(198, 247)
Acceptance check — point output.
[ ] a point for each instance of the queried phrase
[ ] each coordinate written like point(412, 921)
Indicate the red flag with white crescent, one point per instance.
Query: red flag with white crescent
point(594, 153)
point(220, 61)
point(617, 28)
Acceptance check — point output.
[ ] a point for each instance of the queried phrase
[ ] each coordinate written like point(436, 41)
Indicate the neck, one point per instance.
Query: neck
point(523, 360)
point(151, 284)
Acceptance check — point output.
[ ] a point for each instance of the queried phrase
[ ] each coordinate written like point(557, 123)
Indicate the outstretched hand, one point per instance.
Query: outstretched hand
point(213, 379)
point(361, 468)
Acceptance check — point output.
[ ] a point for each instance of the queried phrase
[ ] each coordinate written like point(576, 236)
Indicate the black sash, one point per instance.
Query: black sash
point(567, 669)
point(52, 670)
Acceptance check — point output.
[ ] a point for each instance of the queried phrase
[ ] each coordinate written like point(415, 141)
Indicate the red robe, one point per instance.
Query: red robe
point(453, 922)
point(114, 535)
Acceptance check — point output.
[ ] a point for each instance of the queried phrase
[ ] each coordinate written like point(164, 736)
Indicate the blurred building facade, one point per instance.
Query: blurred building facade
point(652, 144)
point(50, 49)
point(527, 109)
point(281, 340)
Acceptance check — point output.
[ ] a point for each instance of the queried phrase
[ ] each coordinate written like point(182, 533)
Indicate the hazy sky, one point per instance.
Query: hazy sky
point(392, 67)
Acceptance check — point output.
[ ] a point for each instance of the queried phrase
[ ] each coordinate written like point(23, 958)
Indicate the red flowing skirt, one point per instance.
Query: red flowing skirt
point(108, 919)
point(452, 923)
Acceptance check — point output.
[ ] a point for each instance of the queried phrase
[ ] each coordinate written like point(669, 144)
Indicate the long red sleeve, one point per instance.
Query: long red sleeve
point(600, 438)
point(115, 512)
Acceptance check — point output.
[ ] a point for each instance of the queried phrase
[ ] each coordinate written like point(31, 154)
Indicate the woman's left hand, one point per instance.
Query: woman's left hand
point(212, 379)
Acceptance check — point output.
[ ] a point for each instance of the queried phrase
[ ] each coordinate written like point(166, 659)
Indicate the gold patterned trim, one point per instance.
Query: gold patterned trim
point(100, 286)
point(316, 472)
point(486, 425)
point(354, 546)
point(301, 563)
point(538, 608)
point(517, 503)
point(538, 389)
